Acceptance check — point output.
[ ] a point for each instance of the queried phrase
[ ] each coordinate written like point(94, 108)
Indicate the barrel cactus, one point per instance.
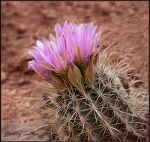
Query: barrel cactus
point(92, 97)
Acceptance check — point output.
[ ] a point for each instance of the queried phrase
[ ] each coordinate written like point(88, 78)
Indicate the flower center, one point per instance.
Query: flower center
point(66, 56)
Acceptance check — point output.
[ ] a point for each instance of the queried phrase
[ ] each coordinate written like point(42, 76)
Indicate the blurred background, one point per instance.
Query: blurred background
point(125, 23)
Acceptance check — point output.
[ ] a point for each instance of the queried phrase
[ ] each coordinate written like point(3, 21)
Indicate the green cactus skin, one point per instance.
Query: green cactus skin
point(105, 110)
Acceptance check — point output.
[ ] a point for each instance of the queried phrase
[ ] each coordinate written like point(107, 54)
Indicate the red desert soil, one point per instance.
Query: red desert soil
point(23, 23)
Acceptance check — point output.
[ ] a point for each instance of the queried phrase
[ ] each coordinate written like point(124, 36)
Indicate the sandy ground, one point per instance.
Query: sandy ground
point(125, 23)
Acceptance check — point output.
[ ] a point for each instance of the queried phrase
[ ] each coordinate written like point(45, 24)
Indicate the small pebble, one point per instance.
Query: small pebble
point(4, 77)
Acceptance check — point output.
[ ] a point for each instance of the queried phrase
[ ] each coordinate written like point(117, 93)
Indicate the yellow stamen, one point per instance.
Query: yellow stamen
point(66, 56)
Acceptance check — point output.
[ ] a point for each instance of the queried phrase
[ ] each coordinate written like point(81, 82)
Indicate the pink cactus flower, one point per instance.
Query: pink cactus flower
point(73, 43)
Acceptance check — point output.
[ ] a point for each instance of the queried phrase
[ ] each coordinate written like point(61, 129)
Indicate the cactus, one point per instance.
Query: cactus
point(95, 100)
point(105, 109)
